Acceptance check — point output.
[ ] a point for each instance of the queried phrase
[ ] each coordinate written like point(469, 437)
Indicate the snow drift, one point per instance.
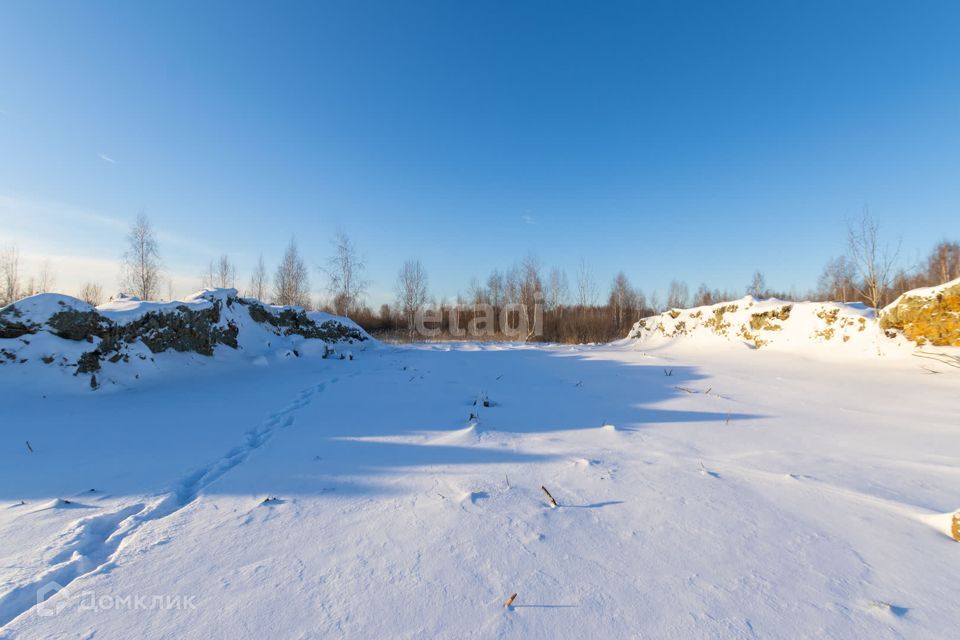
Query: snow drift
point(762, 323)
point(919, 317)
point(61, 331)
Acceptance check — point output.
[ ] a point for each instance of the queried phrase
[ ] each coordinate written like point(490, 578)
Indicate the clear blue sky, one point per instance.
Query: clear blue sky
point(690, 140)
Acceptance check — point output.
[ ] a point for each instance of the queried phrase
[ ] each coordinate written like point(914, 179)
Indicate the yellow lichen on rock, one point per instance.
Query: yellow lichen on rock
point(716, 323)
point(827, 334)
point(926, 316)
point(763, 321)
point(828, 315)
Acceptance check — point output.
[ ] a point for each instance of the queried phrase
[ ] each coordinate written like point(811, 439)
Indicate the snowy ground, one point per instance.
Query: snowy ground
point(748, 494)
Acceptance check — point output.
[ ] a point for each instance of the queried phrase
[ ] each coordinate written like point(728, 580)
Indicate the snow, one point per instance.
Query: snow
point(924, 292)
point(767, 493)
point(126, 309)
point(34, 310)
point(814, 329)
point(48, 361)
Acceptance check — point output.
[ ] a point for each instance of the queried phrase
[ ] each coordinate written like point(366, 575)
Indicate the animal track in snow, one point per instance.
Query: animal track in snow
point(92, 543)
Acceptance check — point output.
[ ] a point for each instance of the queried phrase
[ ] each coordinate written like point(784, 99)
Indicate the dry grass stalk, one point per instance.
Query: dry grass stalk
point(553, 502)
point(510, 601)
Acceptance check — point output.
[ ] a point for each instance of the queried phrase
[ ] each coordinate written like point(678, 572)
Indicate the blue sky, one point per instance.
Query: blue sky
point(690, 140)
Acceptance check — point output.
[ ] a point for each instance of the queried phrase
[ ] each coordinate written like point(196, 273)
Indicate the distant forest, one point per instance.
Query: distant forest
point(525, 301)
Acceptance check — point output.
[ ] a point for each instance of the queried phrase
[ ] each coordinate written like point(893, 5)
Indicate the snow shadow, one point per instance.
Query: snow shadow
point(419, 411)
point(254, 432)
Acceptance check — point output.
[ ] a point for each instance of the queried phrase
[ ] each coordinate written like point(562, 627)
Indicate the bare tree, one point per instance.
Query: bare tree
point(874, 261)
point(703, 297)
point(221, 274)
point(344, 271)
point(677, 295)
point(655, 302)
point(10, 286)
point(91, 293)
point(556, 296)
point(836, 281)
point(140, 274)
point(943, 265)
point(411, 291)
point(622, 302)
point(259, 281)
point(586, 286)
point(531, 292)
point(291, 284)
point(511, 286)
point(495, 294)
point(758, 285)
point(226, 273)
point(476, 293)
point(558, 289)
point(46, 280)
point(209, 276)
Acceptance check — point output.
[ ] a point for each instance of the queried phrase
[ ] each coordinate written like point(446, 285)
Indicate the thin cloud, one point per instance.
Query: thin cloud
point(528, 220)
point(45, 213)
point(106, 158)
point(29, 210)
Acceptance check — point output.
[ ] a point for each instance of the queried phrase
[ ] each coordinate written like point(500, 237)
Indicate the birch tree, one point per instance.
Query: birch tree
point(411, 291)
point(344, 270)
point(291, 284)
point(259, 281)
point(9, 275)
point(91, 293)
point(586, 286)
point(140, 273)
point(874, 261)
point(677, 295)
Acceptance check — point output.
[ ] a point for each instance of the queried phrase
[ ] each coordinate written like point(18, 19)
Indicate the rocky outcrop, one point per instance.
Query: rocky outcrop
point(929, 316)
point(926, 316)
point(183, 329)
point(117, 330)
point(762, 323)
point(63, 316)
point(293, 321)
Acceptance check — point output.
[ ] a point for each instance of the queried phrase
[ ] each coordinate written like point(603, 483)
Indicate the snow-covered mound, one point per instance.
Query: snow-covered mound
point(61, 331)
point(762, 323)
point(930, 315)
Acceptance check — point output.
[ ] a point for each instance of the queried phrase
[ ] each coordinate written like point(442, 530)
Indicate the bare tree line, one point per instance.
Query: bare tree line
point(142, 276)
point(521, 295)
point(13, 284)
point(524, 301)
point(867, 273)
point(221, 273)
